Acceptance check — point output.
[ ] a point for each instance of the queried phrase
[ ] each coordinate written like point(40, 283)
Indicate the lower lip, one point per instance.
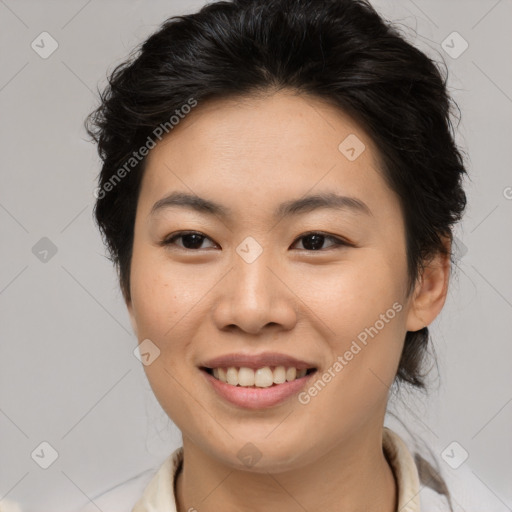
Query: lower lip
point(257, 398)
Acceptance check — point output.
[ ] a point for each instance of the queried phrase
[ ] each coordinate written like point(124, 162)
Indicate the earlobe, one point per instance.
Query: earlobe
point(430, 292)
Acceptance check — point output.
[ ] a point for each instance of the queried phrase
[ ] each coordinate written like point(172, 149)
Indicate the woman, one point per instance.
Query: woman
point(278, 191)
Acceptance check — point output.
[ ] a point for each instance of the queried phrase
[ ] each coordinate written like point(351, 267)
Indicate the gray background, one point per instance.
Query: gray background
point(68, 375)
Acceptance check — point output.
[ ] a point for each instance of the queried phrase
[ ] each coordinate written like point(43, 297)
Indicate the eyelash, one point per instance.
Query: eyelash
point(337, 242)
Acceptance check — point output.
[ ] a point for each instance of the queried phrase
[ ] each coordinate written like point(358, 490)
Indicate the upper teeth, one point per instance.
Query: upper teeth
point(261, 378)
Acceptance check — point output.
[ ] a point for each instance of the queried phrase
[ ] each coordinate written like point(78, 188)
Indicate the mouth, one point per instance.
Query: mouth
point(257, 381)
point(263, 377)
point(257, 388)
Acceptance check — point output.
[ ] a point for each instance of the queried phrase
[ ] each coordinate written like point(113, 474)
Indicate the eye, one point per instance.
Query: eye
point(314, 241)
point(190, 239)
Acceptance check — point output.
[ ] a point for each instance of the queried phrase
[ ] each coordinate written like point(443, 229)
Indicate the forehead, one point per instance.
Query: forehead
point(281, 122)
point(255, 149)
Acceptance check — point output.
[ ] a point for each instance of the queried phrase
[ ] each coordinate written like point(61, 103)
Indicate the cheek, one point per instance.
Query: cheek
point(361, 306)
point(163, 305)
point(162, 296)
point(365, 316)
point(350, 297)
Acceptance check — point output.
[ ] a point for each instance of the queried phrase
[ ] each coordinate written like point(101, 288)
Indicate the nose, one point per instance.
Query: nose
point(254, 296)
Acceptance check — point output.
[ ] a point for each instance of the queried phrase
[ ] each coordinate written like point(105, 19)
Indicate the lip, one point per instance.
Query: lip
point(257, 398)
point(256, 361)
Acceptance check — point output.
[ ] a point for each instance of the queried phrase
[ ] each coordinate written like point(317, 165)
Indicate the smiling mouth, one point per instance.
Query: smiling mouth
point(265, 377)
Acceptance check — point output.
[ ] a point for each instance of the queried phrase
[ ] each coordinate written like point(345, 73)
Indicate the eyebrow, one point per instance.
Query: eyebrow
point(326, 200)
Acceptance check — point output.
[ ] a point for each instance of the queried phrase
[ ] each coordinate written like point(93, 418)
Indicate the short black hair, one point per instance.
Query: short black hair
point(341, 51)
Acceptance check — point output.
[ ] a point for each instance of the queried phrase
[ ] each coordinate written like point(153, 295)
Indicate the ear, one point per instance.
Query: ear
point(430, 291)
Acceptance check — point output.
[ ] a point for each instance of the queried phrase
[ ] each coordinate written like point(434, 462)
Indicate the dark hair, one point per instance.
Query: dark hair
point(340, 51)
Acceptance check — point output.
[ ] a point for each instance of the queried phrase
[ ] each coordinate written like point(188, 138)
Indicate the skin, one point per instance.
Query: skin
point(250, 154)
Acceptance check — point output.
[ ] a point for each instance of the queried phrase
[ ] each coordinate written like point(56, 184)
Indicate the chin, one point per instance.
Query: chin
point(260, 455)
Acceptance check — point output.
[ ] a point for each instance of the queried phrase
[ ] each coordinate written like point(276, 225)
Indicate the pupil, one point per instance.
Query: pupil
point(318, 241)
point(189, 242)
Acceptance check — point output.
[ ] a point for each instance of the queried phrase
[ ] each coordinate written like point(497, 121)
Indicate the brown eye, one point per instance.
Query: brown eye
point(315, 241)
point(190, 240)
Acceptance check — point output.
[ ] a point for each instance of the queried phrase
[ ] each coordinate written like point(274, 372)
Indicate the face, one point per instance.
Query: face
point(248, 274)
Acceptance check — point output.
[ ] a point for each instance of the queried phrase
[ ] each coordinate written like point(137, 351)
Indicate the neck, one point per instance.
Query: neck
point(351, 478)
